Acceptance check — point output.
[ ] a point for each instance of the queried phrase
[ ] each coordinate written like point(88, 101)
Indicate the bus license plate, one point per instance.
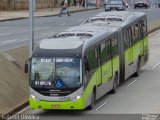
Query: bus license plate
point(56, 106)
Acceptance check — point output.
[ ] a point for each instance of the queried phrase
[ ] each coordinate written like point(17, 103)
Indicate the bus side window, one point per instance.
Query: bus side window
point(128, 38)
point(133, 34)
point(141, 34)
point(91, 60)
point(125, 39)
point(108, 44)
point(114, 46)
point(137, 31)
point(97, 56)
point(103, 53)
point(144, 24)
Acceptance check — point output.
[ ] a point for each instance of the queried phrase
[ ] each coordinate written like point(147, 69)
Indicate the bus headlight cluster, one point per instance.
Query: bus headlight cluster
point(76, 98)
point(33, 97)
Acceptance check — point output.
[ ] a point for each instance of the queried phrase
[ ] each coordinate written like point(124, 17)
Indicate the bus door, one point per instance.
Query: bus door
point(130, 48)
point(99, 70)
point(106, 61)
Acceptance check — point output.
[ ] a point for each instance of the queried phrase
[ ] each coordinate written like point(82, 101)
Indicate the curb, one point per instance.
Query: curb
point(13, 111)
point(19, 18)
point(16, 109)
point(154, 29)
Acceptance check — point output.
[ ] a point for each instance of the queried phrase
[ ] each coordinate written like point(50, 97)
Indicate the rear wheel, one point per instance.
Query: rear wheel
point(115, 84)
point(137, 73)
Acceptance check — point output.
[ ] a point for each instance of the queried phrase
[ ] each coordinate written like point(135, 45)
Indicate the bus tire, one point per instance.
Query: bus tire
point(137, 73)
point(115, 84)
point(91, 106)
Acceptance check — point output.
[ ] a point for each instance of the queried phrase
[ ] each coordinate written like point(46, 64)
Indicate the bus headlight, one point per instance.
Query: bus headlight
point(76, 98)
point(33, 97)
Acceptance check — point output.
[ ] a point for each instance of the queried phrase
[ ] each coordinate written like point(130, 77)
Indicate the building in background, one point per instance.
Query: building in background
point(24, 4)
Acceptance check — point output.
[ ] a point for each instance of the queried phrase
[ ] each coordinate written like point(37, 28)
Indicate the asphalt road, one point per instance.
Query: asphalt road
point(134, 97)
point(16, 33)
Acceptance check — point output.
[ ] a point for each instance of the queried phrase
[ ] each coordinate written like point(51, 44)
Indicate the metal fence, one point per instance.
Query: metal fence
point(24, 4)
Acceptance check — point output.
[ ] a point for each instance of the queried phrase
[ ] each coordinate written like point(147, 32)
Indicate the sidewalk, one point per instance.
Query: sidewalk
point(12, 15)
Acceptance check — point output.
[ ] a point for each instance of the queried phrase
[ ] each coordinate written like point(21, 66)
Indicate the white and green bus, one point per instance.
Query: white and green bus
point(74, 68)
point(133, 39)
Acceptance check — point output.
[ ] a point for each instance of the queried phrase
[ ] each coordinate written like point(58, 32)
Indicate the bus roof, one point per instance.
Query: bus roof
point(72, 40)
point(115, 18)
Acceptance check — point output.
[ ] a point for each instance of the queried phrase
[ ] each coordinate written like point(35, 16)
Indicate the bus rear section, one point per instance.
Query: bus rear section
point(133, 42)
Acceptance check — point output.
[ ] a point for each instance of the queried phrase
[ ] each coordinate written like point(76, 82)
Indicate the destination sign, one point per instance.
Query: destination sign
point(46, 83)
point(64, 60)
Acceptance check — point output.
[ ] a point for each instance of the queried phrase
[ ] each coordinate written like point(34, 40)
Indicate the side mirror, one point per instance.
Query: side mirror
point(26, 66)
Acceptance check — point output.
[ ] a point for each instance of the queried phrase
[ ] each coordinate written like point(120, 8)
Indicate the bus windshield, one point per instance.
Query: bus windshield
point(55, 72)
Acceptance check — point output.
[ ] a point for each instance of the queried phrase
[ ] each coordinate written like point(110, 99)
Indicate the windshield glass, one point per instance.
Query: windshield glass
point(55, 72)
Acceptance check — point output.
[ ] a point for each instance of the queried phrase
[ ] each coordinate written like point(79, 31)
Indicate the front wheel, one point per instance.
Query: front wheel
point(91, 106)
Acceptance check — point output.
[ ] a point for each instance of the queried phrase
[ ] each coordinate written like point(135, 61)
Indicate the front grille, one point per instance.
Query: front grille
point(55, 92)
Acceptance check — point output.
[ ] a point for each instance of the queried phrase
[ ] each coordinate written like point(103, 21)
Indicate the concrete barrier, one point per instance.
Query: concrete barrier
point(13, 81)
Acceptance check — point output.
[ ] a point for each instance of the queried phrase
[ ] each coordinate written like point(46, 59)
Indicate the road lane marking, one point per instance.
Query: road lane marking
point(8, 57)
point(62, 24)
point(12, 41)
point(132, 83)
point(5, 34)
point(42, 28)
point(9, 41)
point(47, 34)
point(1, 28)
point(156, 65)
point(102, 105)
point(79, 20)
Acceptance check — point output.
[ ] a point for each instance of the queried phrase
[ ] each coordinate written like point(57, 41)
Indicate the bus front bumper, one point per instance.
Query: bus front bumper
point(67, 105)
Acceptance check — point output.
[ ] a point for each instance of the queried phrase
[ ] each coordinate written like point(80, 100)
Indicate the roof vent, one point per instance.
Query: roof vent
point(106, 19)
point(115, 18)
point(97, 19)
point(75, 34)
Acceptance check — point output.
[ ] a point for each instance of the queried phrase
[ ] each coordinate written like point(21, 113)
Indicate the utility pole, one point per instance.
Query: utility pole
point(31, 20)
point(34, 6)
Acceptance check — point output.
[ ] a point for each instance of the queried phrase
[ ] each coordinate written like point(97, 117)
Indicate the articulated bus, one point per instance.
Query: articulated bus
point(133, 39)
point(74, 68)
